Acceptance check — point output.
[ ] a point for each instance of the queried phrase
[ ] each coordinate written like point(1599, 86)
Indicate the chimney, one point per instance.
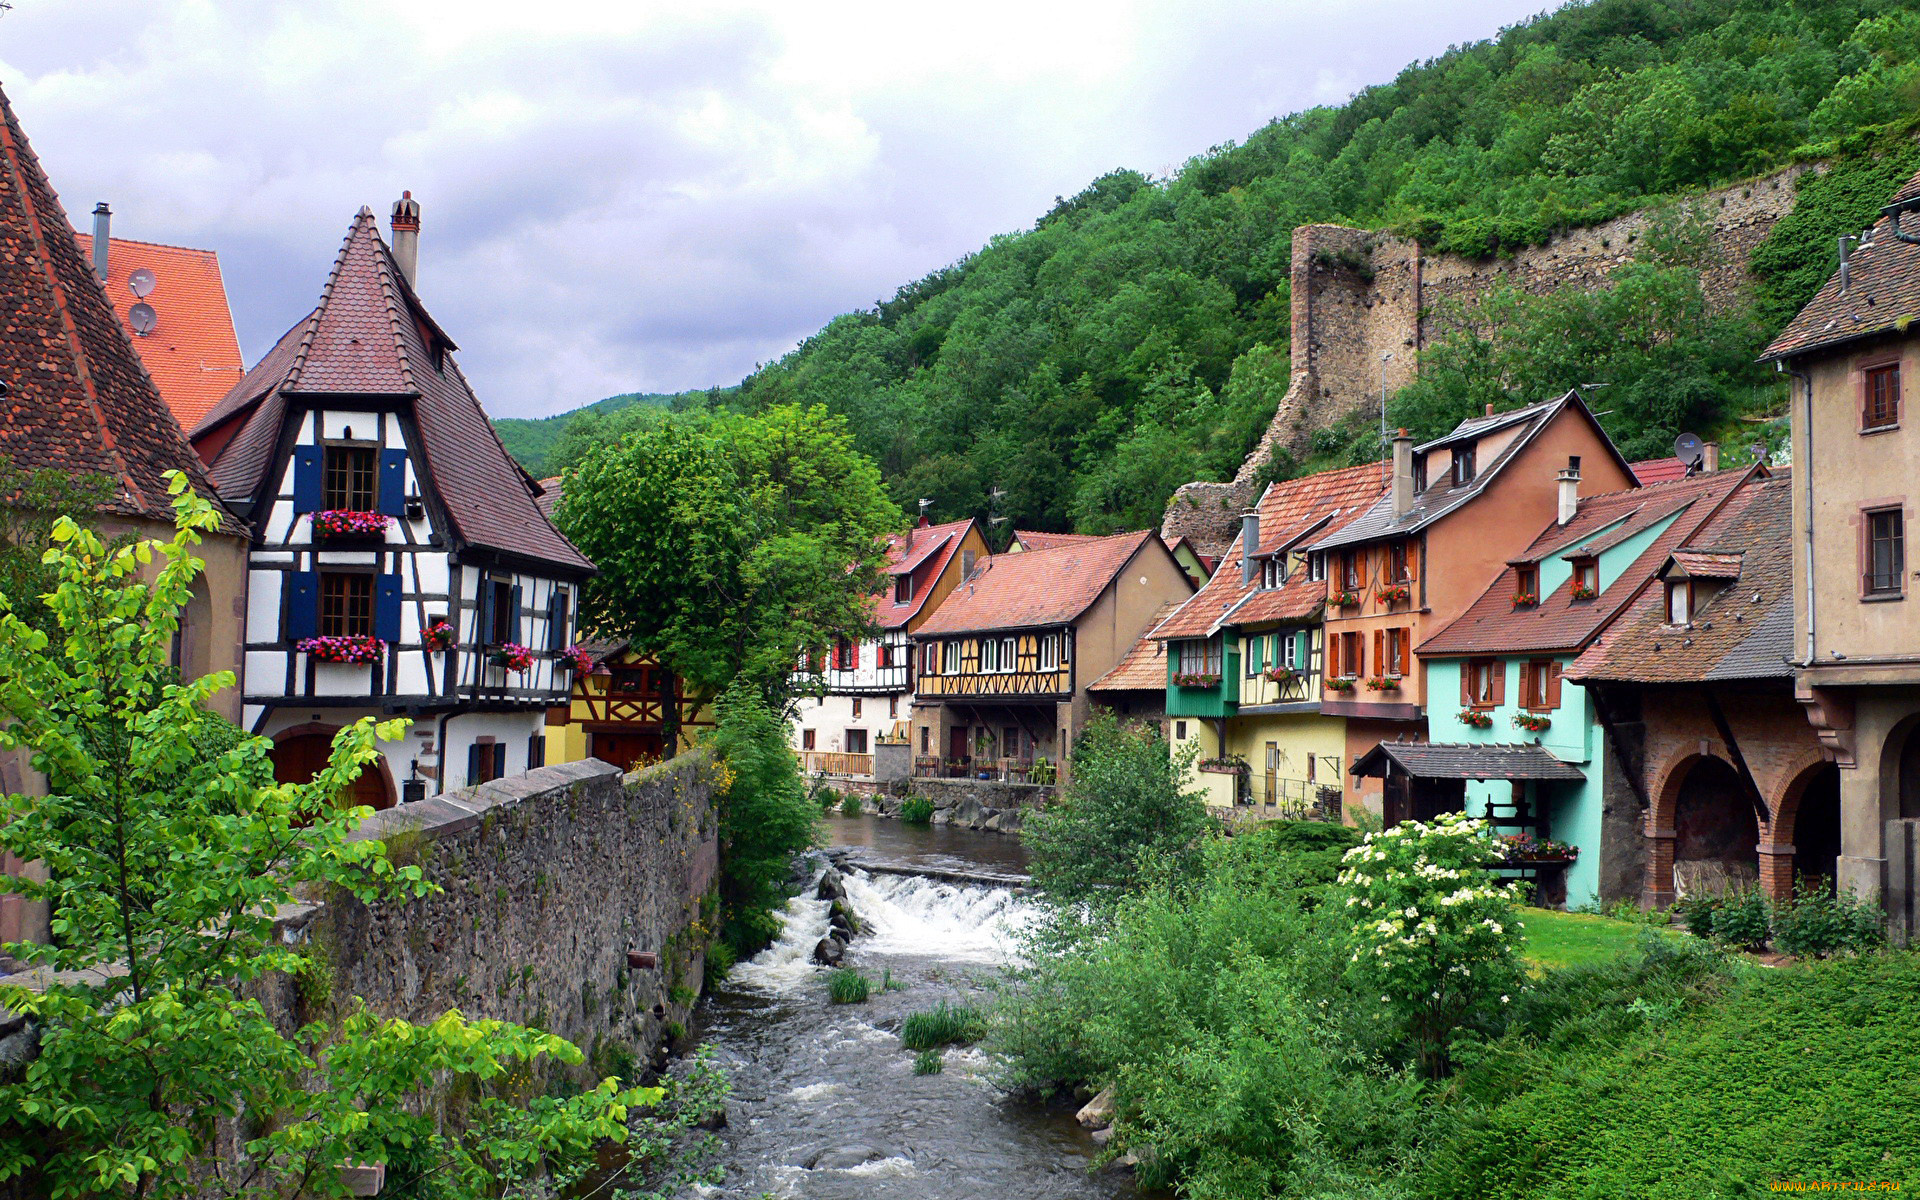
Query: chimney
point(1489, 408)
point(1569, 481)
point(1709, 457)
point(406, 238)
point(102, 220)
point(1249, 544)
point(1402, 474)
point(1846, 267)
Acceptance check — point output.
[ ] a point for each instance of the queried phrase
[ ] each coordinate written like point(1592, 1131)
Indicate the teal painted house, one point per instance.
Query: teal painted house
point(1521, 745)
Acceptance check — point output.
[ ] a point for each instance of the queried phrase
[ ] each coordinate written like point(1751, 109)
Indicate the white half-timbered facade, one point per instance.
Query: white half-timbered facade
point(393, 532)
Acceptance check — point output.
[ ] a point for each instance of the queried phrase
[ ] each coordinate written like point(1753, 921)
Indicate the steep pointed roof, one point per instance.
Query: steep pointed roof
point(77, 397)
point(371, 337)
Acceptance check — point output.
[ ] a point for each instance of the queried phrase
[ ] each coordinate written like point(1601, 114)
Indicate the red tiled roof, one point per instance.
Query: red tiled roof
point(371, 337)
point(1037, 587)
point(1745, 632)
point(1706, 564)
point(1492, 625)
point(1659, 470)
point(1144, 669)
point(933, 547)
point(1035, 540)
point(1883, 291)
point(1311, 506)
point(78, 399)
point(192, 352)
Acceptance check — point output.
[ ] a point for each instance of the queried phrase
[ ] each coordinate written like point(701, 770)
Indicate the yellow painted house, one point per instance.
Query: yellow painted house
point(1244, 655)
point(616, 712)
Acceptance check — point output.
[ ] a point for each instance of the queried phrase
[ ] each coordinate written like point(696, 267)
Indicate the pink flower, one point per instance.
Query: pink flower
point(346, 522)
point(350, 649)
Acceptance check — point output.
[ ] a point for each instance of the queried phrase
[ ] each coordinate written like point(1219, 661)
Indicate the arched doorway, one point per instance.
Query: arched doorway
point(1716, 838)
point(1906, 806)
point(1816, 828)
point(298, 759)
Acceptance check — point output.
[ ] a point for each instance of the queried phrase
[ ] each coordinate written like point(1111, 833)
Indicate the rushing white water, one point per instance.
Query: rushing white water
point(905, 914)
point(787, 965)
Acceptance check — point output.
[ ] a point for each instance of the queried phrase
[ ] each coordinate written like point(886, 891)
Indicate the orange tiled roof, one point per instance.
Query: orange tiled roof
point(1311, 506)
point(932, 548)
point(1034, 540)
point(1144, 669)
point(1036, 588)
point(1659, 470)
point(192, 353)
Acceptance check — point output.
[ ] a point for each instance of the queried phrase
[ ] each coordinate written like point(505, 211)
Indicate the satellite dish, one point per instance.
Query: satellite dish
point(1689, 450)
point(140, 282)
point(142, 317)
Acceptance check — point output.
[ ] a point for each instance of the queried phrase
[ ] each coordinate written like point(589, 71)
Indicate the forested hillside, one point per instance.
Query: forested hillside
point(1137, 337)
point(531, 440)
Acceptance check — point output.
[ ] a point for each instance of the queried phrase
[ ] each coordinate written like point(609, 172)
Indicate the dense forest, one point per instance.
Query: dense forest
point(1137, 336)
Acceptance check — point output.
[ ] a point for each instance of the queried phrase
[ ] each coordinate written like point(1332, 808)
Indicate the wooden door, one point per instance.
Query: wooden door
point(298, 759)
point(625, 749)
point(957, 742)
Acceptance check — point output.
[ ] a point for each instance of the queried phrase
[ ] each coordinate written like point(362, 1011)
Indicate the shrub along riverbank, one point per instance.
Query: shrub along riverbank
point(1277, 1022)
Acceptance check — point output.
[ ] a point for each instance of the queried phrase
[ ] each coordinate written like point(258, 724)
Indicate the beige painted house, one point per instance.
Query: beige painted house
point(1856, 446)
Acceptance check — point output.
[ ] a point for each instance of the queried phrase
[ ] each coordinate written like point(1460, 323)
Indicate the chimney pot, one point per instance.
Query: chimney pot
point(1489, 408)
point(1402, 483)
point(1569, 482)
point(1709, 457)
point(1249, 545)
point(102, 223)
point(406, 237)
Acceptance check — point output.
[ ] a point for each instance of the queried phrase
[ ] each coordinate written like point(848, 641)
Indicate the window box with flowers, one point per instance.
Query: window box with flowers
point(1196, 679)
point(1533, 722)
point(1346, 599)
point(1473, 718)
point(1396, 593)
point(577, 660)
point(1229, 764)
point(1383, 683)
point(1343, 686)
point(1585, 591)
point(355, 650)
point(1281, 674)
point(512, 655)
point(348, 525)
point(1525, 849)
point(438, 635)
point(1525, 599)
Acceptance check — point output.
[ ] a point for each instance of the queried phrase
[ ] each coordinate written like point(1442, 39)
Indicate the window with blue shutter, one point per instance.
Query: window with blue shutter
point(386, 607)
point(483, 632)
point(303, 605)
point(307, 479)
point(499, 761)
point(393, 482)
point(557, 613)
point(473, 765)
point(513, 621)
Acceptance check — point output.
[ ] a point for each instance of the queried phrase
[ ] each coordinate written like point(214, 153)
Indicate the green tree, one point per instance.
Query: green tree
point(167, 857)
point(730, 545)
point(765, 817)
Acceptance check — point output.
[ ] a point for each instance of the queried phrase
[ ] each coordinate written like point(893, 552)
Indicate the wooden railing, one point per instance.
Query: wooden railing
point(1003, 770)
point(834, 762)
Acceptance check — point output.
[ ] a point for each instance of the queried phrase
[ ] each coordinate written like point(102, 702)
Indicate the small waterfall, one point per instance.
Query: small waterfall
point(907, 915)
point(787, 965)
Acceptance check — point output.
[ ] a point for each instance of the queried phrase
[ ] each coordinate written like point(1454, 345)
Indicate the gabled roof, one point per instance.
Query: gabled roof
point(1744, 632)
point(1038, 587)
point(371, 337)
point(1492, 625)
point(925, 551)
point(1310, 506)
point(1144, 669)
point(192, 352)
point(77, 399)
point(1033, 539)
point(1659, 470)
point(1704, 564)
point(1883, 291)
point(1444, 496)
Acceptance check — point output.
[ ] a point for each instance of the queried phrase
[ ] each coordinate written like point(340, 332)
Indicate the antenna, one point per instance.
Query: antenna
point(1690, 450)
point(140, 282)
point(925, 504)
point(142, 317)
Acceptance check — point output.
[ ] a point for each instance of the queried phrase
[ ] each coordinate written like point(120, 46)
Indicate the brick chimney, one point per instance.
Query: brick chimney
point(1249, 543)
point(406, 238)
point(1402, 474)
point(1709, 457)
point(1569, 481)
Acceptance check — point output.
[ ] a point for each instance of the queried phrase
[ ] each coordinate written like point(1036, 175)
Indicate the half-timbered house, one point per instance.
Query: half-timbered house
point(400, 565)
point(1003, 664)
point(625, 709)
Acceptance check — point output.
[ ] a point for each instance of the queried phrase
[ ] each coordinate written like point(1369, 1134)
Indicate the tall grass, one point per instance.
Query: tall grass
point(942, 1025)
point(847, 986)
point(916, 810)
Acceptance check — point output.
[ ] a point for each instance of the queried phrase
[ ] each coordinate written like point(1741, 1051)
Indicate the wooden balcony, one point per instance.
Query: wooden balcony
point(999, 770)
point(834, 762)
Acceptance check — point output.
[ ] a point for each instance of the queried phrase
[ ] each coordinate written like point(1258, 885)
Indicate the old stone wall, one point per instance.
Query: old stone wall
point(1360, 295)
point(549, 879)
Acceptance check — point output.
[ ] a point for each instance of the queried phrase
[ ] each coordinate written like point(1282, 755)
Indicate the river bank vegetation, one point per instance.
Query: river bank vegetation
point(1307, 1011)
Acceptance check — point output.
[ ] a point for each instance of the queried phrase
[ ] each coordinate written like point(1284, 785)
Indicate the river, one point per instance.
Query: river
point(826, 1105)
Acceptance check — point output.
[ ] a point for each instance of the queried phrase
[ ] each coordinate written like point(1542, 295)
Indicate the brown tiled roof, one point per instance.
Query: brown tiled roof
point(1883, 292)
point(933, 548)
point(1033, 539)
point(77, 399)
point(1038, 587)
point(1311, 506)
point(192, 352)
point(1464, 760)
point(370, 336)
point(1144, 669)
point(1745, 632)
point(1492, 625)
point(1659, 470)
point(548, 500)
point(1706, 564)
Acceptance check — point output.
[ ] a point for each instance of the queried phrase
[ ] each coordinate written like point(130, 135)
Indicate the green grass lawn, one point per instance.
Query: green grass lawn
point(1561, 939)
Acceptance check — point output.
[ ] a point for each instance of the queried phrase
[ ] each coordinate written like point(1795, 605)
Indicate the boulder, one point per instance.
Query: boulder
point(841, 913)
point(828, 952)
point(1098, 1112)
point(1102, 1136)
point(832, 887)
point(840, 1158)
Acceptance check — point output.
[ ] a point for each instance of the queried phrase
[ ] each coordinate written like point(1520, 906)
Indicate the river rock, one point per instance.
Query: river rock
point(843, 1157)
point(1102, 1136)
point(841, 913)
point(969, 812)
point(828, 952)
point(1098, 1112)
point(832, 887)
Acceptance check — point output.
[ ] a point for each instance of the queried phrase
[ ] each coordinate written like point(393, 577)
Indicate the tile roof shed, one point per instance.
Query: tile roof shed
point(1465, 760)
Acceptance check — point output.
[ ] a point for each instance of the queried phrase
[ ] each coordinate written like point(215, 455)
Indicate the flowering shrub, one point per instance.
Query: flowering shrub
point(355, 649)
point(1395, 593)
point(1532, 722)
point(1196, 679)
point(1583, 592)
point(1525, 599)
point(1383, 683)
point(1475, 719)
point(438, 635)
point(348, 523)
point(1346, 599)
point(1432, 931)
point(1524, 847)
point(513, 656)
point(1340, 685)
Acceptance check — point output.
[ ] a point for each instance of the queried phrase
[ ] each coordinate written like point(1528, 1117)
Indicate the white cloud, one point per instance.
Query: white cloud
point(648, 196)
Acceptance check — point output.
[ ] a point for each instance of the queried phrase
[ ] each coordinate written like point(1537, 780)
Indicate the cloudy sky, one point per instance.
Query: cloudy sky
point(642, 196)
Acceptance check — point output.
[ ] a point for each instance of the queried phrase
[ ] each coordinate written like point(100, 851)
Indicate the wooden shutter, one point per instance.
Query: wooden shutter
point(1499, 668)
point(1359, 650)
point(1553, 684)
point(393, 482)
point(499, 760)
point(1466, 682)
point(557, 619)
point(1333, 656)
point(1406, 651)
point(483, 636)
point(386, 607)
point(1380, 651)
point(303, 604)
point(536, 751)
point(306, 479)
point(473, 764)
point(1360, 567)
point(513, 614)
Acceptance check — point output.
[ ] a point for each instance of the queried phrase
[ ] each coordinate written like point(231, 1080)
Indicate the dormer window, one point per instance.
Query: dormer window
point(347, 481)
point(1316, 566)
point(1526, 584)
point(903, 589)
point(1463, 465)
point(1586, 578)
point(1679, 601)
point(1273, 572)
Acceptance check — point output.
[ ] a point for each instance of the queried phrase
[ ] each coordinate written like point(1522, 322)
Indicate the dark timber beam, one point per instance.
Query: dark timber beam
point(1733, 751)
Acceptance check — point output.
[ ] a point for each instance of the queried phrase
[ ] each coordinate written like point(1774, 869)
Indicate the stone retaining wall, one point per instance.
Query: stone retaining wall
point(979, 804)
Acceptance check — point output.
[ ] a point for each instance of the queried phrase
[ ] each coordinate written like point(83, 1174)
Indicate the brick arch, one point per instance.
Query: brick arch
point(1784, 804)
point(1662, 830)
point(1893, 765)
point(391, 794)
point(1666, 794)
